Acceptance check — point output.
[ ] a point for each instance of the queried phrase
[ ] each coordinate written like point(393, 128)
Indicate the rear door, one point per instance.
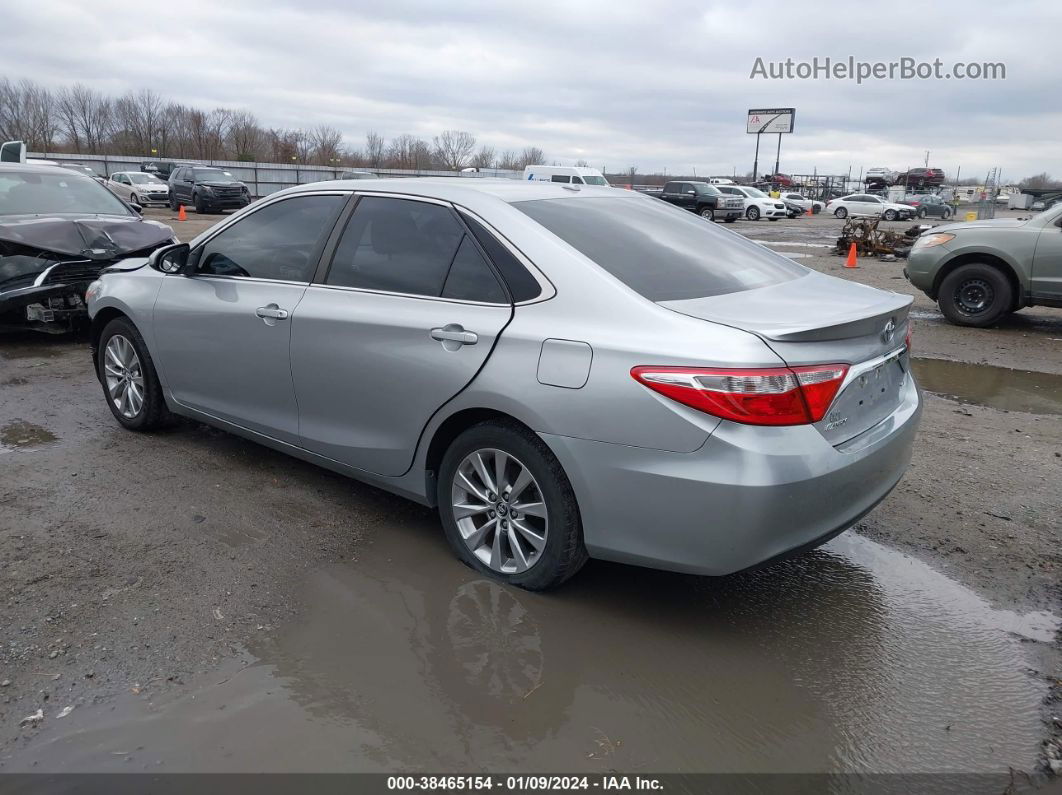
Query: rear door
point(403, 317)
point(222, 334)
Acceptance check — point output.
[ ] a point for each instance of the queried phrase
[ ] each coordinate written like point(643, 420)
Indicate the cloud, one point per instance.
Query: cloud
point(654, 84)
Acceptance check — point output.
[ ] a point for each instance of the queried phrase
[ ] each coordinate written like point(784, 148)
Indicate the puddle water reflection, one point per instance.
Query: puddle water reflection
point(995, 387)
point(852, 658)
point(20, 434)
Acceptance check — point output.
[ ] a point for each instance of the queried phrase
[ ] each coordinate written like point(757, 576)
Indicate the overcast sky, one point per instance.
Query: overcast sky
point(655, 84)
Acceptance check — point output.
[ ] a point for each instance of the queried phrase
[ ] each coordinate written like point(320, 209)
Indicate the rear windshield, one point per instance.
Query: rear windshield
point(661, 252)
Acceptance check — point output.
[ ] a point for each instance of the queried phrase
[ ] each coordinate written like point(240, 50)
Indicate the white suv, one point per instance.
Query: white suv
point(757, 203)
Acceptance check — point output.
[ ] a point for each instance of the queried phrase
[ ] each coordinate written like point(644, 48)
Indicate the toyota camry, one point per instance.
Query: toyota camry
point(564, 371)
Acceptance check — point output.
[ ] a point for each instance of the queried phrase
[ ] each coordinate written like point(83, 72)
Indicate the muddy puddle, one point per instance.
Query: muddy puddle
point(995, 387)
point(19, 434)
point(854, 658)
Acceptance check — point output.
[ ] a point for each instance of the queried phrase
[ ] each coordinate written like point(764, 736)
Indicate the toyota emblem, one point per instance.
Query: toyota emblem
point(888, 331)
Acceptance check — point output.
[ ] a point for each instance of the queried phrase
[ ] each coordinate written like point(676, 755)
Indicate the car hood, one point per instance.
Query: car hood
point(988, 223)
point(90, 236)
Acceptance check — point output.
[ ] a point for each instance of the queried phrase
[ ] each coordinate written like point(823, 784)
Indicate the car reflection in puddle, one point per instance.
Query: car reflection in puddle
point(852, 658)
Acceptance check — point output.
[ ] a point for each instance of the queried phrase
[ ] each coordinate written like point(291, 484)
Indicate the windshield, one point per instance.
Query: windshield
point(658, 250)
point(210, 175)
point(595, 181)
point(143, 179)
point(707, 190)
point(755, 193)
point(46, 194)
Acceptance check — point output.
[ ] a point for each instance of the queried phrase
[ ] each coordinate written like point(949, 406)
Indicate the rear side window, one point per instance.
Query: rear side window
point(282, 241)
point(396, 246)
point(659, 251)
point(522, 285)
point(560, 178)
point(470, 277)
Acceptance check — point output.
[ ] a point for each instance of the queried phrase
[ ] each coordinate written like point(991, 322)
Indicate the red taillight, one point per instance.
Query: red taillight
point(910, 333)
point(761, 396)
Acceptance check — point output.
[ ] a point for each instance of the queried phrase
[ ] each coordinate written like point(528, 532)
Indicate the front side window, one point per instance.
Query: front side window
point(281, 241)
point(397, 246)
point(596, 181)
point(660, 252)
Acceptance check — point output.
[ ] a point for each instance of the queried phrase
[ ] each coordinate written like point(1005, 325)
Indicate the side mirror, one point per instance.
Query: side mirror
point(136, 208)
point(170, 259)
point(692, 192)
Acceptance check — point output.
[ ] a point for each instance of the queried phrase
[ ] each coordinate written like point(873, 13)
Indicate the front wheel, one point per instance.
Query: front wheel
point(890, 215)
point(976, 295)
point(173, 202)
point(841, 212)
point(922, 213)
point(946, 215)
point(753, 213)
point(507, 507)
point(708, 214)
point(130, 383)
point(200, 206)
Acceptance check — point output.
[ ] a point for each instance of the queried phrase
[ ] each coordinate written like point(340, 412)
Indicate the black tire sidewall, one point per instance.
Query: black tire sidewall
point(841, 212)
point(1001, 303)
point(890, 215)
point(707, 213)
point(200, 205)
point(154, 410)
point(564, 553)
point(753, 213)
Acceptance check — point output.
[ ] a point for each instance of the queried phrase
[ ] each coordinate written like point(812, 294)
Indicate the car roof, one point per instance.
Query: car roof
point(33, 168)
point(457, 189)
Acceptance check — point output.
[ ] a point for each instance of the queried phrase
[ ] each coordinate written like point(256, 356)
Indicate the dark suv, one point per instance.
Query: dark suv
point(207, 189)
point(705, 200)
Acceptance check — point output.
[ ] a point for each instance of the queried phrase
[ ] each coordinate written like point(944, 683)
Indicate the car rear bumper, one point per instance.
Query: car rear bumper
point(748, 495)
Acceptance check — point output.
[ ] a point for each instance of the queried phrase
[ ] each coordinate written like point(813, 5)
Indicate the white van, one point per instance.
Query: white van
point(720, 181)
point(577, 175)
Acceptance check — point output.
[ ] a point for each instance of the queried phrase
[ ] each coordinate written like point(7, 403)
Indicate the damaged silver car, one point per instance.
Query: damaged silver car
point(58, 231)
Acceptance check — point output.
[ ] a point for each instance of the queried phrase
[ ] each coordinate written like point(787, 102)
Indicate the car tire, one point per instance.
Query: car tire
point(945, 215)
point(753, 213)
point(922, 213)
point(174, 205)
point(815, 209)
point(841, 213)
point(975, 295)
point(707, 213)
point(197, 201)
point(122, 351)
point(890, 215)
point(562, 552)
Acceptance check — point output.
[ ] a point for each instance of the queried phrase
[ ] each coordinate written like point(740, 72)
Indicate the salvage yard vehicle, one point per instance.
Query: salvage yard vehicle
point(207, 189)
point(575, 175)
point(803, 202)
point(58, 230)
point(140, 188)
point(865, 204)
point(757, 204)
point(929, 204)
point(979, 271)
point(708, 201)
point(920, 177)
point(502, 351)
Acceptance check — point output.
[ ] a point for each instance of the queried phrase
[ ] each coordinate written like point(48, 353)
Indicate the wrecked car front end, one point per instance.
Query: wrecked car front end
point(46, 264)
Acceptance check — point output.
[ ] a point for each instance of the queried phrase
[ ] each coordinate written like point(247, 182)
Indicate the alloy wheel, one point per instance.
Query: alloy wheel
point(124, 376)
point(499, 510)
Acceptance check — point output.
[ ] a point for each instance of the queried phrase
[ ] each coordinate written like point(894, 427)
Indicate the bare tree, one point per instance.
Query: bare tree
point(484, 158)
point(531, 156)
point(85, 116)
point(326, 144)
point(137, 121)
point(453, 149)
point(246, 139)
point(374, 149)
point(1040, 181)
point(582, 164)
point(27, 113)
point(408, 152)
point(509, 160)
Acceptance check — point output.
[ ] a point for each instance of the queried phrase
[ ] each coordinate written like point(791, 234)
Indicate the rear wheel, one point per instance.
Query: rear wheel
point(753, 213)
point(946, 214)
point(507, 507)
point(707, 213)
point(975, 294)
point(841, 212)
point(922, 213)
point(128, 376)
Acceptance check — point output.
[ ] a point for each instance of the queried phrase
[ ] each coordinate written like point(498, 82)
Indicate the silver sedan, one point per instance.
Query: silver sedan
point(566, 372)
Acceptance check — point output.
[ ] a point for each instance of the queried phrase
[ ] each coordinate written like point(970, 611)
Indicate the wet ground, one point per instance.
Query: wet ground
point(203, 603)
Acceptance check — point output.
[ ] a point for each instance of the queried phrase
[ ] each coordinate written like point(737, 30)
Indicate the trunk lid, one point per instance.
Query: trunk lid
point(819, 319)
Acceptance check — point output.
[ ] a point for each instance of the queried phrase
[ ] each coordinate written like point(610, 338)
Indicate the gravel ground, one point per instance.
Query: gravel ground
point(126, 562)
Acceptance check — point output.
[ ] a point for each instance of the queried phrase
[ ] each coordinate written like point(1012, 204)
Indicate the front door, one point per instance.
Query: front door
point(1047, 262)
point(222, 333)
point(407, 314)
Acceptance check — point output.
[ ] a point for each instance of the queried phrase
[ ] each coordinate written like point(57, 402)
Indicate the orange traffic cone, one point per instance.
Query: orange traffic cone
point(851, 261)
point(181, 215)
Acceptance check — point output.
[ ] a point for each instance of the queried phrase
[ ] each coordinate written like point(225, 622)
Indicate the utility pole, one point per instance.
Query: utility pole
point(778, 154)
point(927, 158)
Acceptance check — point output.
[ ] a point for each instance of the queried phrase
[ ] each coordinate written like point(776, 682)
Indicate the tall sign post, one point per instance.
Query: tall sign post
point(769, 120)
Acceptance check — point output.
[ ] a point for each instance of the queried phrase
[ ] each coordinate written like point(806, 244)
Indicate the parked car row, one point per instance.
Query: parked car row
point(865, 204)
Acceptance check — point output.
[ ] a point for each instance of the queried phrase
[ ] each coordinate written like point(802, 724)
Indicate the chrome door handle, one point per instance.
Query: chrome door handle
point(272, 311)
point(454, 332)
